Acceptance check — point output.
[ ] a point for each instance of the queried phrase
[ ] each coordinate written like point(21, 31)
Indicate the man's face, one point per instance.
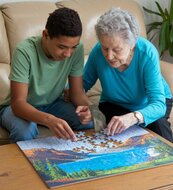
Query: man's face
point(59, 48)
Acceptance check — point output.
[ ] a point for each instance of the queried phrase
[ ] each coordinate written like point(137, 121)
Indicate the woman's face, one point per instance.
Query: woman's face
point(116, 51)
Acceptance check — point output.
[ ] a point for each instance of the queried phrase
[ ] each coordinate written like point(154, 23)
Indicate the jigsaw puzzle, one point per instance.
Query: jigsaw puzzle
point(62, 162)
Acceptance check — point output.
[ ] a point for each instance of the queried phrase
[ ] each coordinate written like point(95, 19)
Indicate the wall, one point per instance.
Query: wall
point(150, 18)
point(150, 4)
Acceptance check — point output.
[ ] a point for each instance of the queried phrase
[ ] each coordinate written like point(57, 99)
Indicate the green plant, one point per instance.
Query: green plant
point(163, 29)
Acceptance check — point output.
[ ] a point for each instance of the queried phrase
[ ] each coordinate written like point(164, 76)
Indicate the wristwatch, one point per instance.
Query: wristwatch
point(139, 117)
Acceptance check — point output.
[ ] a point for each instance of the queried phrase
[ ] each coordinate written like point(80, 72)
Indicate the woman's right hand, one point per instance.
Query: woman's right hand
point(118, 124)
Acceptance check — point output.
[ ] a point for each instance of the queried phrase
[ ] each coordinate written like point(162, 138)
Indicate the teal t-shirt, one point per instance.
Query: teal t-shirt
point(46, 78)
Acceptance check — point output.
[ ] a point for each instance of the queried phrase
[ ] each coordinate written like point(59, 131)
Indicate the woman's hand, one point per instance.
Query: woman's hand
point(120, 123)
point(84, 114)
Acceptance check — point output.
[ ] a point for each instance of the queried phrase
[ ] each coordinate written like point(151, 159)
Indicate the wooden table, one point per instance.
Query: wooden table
point(16, 173)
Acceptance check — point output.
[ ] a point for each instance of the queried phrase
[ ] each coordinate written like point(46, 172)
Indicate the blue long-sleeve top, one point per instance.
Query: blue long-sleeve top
point(141, 87)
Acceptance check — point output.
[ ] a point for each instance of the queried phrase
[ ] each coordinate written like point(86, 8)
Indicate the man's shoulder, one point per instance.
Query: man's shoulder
point(28, 43)
point(80, 46)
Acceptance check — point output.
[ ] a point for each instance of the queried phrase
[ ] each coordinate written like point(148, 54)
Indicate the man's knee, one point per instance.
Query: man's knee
point(18, 128)
point(26, 132)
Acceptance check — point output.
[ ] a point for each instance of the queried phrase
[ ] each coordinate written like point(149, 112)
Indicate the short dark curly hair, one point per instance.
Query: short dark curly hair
point(64, 22)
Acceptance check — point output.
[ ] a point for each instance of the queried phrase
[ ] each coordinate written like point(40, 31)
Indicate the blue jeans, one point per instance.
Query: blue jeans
point(21, 129)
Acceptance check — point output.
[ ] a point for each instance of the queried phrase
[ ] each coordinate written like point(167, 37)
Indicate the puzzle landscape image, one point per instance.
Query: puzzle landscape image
point(60, 162)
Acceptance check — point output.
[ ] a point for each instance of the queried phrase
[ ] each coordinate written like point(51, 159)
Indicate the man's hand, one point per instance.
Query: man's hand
point(61, 129)
point(120, 123)
point(84, 114)
point(24, 110)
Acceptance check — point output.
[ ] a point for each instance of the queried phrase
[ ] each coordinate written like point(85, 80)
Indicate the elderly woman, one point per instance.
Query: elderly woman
point(127, 65)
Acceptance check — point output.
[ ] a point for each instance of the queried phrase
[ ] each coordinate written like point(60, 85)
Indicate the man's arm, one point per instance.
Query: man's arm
point(24, 110)
point(77, 94)
point(79, 98)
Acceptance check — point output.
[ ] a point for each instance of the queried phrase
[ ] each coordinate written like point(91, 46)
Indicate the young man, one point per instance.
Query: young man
point(40, 68)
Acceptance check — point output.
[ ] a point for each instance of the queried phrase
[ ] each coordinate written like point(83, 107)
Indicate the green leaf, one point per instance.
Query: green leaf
point(149, 30)
point(163, 41)
point(167, 33)
point(152, 12)
point(164, 28)
point(166, 13)
point(154, 35)
point(153, 26)
point(171, 11)
point(171, 49)
point(160, 10)
point(171, 34)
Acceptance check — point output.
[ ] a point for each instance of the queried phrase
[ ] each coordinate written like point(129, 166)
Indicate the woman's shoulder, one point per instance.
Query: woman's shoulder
point(143, 42)
point(146, 47)
point(96, 46)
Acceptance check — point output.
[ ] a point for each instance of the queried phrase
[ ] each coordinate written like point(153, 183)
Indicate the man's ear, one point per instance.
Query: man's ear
point(45, 33)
